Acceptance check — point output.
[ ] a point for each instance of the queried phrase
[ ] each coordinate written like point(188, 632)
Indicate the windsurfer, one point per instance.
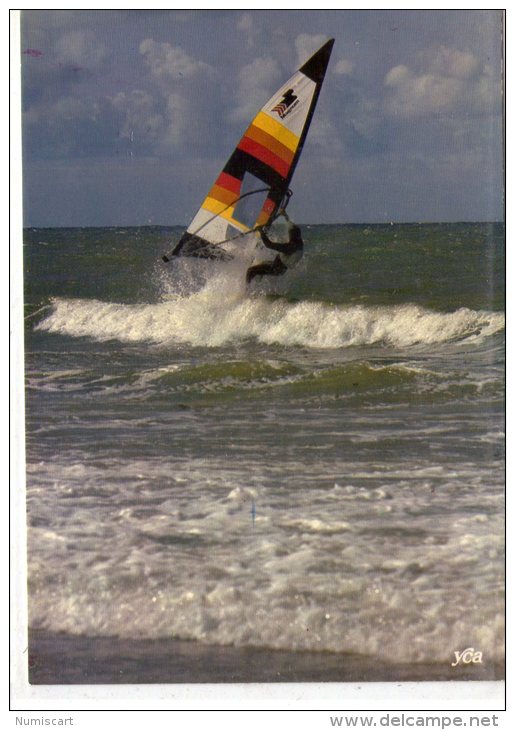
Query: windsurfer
point(289, 253)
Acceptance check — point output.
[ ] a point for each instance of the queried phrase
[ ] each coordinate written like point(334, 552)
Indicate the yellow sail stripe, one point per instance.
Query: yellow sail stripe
point(221, 209)
point(217, 206)
point(277, 130)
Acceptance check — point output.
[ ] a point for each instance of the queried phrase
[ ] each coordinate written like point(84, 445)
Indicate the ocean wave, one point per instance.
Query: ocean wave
point(211, 319)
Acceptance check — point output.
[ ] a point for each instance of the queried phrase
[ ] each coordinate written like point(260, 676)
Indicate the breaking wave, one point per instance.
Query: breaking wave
point(218, 314)
point(201, 320)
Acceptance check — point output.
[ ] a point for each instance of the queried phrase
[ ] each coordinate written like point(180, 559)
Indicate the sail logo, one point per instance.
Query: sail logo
point(287, 103)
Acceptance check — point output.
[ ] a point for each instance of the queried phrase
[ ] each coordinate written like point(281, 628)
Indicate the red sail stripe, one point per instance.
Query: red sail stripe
point(266, 212)
point(264, 155)
point(268, 206)
point(224, 180)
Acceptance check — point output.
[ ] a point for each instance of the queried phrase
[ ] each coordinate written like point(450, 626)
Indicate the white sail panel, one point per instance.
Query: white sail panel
point(290, 105)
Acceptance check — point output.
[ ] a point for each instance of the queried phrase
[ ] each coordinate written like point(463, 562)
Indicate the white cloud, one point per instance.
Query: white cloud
point(343, 67)
point(248, 27)
point(141, 117)
point(256, 83)
point(365, 117)
point(419, 95)
point(65, 109)
point(397, 75)
point(80, 48)
point(456, 64)
point(451, 82)
point(259, 73)
point(181, 115)
point(170, 64)
point(178, 121)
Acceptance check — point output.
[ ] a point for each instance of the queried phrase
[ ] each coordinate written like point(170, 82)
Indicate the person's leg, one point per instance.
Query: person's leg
point(278, 267)
point(257, 270)
point(269, 268)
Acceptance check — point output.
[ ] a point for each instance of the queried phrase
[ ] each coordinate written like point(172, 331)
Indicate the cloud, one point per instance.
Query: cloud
point(67, 60)
point(343, 67)
point(80, 48)
point(456, 64)
point(180, 122)
point(66, 108)
point(451, 82)
point(186, 98)
point(397, 75)
point(256, 83)
point(69, 126)
point(416, 95)
point(140, 117)
point(248, 27)
point(245, 23)
point(169, 64)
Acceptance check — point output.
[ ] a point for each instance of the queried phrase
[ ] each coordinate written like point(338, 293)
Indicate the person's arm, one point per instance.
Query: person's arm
point(291, 247)
point(286, 248)
point(270, 244)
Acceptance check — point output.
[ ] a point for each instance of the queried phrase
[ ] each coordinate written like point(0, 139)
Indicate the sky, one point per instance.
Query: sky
point(129, 116)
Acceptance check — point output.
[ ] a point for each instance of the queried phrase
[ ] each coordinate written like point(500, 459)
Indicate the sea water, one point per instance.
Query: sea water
point(316, 462)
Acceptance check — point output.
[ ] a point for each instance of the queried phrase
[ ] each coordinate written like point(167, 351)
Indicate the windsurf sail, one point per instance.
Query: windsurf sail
point(254, 184)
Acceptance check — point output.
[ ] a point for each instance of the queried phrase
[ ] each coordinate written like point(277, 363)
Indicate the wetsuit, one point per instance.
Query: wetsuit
point(288, 255)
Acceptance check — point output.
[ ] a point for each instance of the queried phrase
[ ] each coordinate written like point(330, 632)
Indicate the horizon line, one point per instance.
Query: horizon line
point(348, 223)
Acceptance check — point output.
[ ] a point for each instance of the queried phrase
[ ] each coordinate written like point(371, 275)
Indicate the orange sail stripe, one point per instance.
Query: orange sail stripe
point(223, 195)
point(277, 130)
point(271, 143)
point(264, 155)
point(262, 218)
